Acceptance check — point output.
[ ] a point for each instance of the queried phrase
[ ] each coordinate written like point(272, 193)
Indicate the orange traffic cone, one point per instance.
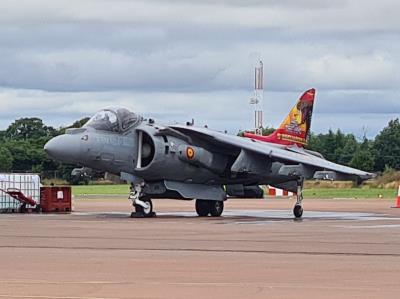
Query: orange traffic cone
point(398, 199)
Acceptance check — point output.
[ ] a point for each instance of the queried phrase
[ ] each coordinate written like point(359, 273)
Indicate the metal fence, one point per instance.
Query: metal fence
point(28, 183)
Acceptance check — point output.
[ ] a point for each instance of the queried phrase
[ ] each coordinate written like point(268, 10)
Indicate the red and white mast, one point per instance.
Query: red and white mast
point(257, 98)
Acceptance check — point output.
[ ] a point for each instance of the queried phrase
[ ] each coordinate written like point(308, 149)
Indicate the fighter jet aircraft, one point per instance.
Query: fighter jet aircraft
point(187, 162)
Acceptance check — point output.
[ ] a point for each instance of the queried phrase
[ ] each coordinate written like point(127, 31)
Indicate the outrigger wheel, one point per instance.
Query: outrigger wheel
point(209, 207)
point(298, 211)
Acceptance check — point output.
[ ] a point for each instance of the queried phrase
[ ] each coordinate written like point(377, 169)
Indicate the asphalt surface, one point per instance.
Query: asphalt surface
point(341, 249)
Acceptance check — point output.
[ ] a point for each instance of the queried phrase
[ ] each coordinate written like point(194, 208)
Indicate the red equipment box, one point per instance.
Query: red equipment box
point(55, 199)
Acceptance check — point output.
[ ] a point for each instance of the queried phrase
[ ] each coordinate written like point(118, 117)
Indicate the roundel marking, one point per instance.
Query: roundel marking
point(190, 153)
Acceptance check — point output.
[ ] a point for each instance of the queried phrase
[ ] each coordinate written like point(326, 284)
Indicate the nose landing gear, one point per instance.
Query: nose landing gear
point(142, 203)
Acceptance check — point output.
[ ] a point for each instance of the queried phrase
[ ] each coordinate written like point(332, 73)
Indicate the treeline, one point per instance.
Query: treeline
point(21, 148)
point(377, 155)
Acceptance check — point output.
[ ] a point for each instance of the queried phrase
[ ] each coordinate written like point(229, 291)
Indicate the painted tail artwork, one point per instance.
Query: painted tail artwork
point(295, 129)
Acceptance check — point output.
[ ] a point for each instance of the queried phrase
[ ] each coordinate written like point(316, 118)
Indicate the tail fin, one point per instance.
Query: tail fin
point(295, 129)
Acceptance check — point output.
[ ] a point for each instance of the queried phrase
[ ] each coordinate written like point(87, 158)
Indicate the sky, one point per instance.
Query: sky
point(181, 59)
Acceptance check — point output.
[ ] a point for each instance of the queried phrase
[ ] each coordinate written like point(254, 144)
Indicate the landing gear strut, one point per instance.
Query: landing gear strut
point(209, 207)
point(298, 209)
point(142, 203)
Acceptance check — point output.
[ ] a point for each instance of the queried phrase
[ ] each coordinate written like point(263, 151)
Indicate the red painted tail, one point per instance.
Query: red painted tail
point(295, 129)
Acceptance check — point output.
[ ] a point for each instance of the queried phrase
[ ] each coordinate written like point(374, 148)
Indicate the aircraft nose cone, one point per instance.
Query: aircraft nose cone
point(65, 148)
point(51, 147)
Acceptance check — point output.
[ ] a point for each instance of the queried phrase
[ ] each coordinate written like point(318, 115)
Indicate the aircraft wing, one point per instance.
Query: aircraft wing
point(276, 153)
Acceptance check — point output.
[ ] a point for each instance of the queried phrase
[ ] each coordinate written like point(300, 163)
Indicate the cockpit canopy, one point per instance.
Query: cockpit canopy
point(114, 120)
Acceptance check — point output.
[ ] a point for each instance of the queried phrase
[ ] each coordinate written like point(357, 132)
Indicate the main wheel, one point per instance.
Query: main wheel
point(38, 209)
point(23, 208)
point(146, 212)
point(298, 211)
point(202, 207)
point(216, 208)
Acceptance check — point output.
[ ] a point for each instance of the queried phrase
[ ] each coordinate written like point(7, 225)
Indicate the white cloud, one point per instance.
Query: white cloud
point(183, 68)
point(375, 71)
point(65, 59)
point(310, 15)
point(221, 110)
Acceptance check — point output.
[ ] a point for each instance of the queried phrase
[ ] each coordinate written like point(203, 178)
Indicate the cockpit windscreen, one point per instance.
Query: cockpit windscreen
point(113, 120)
point(104, 120)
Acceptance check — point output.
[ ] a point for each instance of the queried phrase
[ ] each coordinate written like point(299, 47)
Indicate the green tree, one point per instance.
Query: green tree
point(364, 158)
point(330, 145)
point(268, 131)
point(265, 131)
point(22, 148)
point(20, 153)
point(335, 146)
point(77, 124)
point(6, 159)
point(387, 147)
point(29, 128)
point(346, 153)
point(80, 123)
point(314, 143)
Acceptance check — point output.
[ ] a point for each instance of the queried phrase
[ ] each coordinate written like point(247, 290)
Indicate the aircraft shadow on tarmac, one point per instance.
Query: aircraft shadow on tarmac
point(247, 216)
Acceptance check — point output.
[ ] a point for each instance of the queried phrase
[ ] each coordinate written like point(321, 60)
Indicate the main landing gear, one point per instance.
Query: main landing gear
point(142, 203)
point(298, 209)
point(209, 207)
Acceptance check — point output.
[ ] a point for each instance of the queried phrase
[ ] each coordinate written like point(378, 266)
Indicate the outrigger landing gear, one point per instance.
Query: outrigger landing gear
point(142, 203)
point(209, 207)
point(298, 209)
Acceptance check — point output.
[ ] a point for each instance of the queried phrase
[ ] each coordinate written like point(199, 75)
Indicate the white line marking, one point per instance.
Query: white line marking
point(369, 226)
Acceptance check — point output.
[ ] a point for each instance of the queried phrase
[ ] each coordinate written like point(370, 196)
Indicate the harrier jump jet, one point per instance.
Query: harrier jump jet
point(187, 162)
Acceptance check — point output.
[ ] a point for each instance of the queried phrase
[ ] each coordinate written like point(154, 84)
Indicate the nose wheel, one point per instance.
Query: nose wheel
point(144, 209)
point(142, 203)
